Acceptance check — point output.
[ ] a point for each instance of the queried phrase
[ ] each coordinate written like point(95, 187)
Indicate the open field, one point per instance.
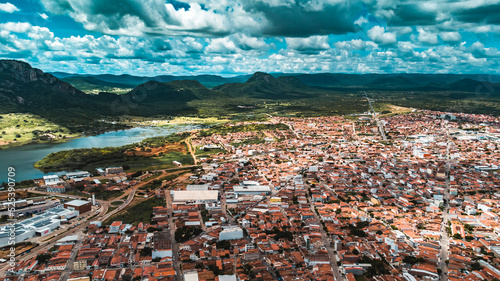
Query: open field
point(168, 120)
point(21, 128)
point(140, 212)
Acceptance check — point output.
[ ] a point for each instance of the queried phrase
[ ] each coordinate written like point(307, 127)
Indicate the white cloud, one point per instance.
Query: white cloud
point(43, 16)
point(18, 27)
point(245, 42)
point(221, 45)
point(8, 8)
point(360, 21)
point(310, 44)
point(452, 37)
point(379, 36)
point(479, 51)
point(356, 44)
point(427, 37)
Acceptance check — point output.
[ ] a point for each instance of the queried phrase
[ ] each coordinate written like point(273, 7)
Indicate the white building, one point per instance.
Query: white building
point(52, 180)
point(231, 233)
point(41, 224)
point(75, 175)
point(195, 196)
point(251, 189)
point(191, 187)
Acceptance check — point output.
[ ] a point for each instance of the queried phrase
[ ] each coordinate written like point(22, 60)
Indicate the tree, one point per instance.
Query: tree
point(225, 244)
point(185, 233)
point(147, 251)
point(476, 266)
point(457, 236)
point(43, 258)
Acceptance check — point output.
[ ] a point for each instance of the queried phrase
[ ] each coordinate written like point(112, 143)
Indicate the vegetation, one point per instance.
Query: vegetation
point(116, 203)
point(43, 258)
point(91, 158)
point(248, 142)
point(225, 244)
point(280, 234)
point(377, 266)
point(22, 128)
point(225, 129)
point(299, 95)
point(413, 260)
point(141, 212)
point(162, 140)
point(185, 233)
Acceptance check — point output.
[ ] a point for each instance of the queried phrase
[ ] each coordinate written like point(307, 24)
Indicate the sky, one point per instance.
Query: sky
point(230, 37)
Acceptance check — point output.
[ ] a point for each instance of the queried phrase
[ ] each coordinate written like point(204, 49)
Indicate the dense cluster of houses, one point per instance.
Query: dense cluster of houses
point(326, 199)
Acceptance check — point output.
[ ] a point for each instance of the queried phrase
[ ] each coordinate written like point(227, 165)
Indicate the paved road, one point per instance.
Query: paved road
point(175, 245)
point(379, 124)
point(71, 229)
point(324, 236)
point(444, 241)
point(70, 264)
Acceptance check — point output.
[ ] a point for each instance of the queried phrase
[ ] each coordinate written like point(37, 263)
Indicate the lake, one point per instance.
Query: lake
point(22, 158)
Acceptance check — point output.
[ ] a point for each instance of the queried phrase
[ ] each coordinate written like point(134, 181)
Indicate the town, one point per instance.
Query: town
point(410, 196)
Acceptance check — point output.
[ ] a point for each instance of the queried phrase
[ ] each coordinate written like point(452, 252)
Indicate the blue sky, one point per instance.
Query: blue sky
point(227, 37)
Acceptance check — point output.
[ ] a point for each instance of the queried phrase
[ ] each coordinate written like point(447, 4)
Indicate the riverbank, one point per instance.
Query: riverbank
point(43, 129)
point(22, 158)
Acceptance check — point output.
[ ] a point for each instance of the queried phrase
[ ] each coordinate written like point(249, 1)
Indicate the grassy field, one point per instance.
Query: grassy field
point(111, 209)
point(140, 212)
point(19, 128)
point(107, 195)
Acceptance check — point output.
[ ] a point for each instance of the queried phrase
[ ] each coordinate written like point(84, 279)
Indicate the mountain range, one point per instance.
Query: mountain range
point(394, 81)
point(27, 89)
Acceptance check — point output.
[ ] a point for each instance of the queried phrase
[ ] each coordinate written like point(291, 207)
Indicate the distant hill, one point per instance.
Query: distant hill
point(265, 86)
point(479, 87)
point(398, 82)
point(130, 81)
point(27, 89)
point(393, 81)
point(170, 98)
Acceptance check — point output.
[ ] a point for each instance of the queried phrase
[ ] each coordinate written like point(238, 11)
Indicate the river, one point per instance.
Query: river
point(22, 158)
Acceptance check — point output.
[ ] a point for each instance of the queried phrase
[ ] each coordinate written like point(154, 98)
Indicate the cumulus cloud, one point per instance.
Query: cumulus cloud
point(18, 27)
point(221, 45)
point(310, 44)
point(427, 37)
point(380, 36)
point(479, 51)
point(8, 8)
point(451, 37)
point(241, 36)
point(212, 17)
point(356, 44)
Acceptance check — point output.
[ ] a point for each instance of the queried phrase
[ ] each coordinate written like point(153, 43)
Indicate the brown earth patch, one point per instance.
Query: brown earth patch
point(155, 151)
